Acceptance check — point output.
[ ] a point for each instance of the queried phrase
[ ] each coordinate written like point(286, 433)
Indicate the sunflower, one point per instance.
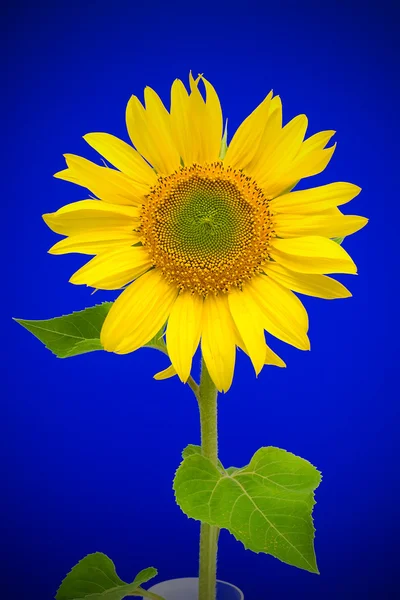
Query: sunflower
point(207, 238)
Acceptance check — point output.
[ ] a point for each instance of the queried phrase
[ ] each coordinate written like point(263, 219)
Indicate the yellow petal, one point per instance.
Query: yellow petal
point(213, 123)
point(327, 225)
point(183, 332)
point(138, 313)
point(246, 140)
point(193, 82)
point(318, 141)
point(197, 118)
point(303, 166)
point(136, 124)
point(335, 211)
point(276, 107)
point(159, 126)
point(248, 320)
point(311, 163)
point(311, 159)
point(114, 269)
point(283, 152)
point(90, 215)
point(270, 136)
point(218, 342)
point(105, 183)
point(94, 242)
point(312, 254)
point(181, 125)
point(122, 156)
point(283, 314)
point(271, 358)
point(150, 132)
point(316, 199)
point(319, 286)
point(165, 374)
point(196, 123)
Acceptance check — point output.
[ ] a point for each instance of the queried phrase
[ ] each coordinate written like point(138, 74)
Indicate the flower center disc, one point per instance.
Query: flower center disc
point(206, 227)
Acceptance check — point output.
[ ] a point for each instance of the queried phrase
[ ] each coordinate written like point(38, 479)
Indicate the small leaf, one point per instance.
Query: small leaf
point(224, 142)
point(266, 505)
point(338, 240)
point(72, 334)
point(79, 332)
point(95, 578)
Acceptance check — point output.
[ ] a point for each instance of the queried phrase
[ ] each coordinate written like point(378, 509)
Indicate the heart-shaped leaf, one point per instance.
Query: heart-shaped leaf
point(266, 505)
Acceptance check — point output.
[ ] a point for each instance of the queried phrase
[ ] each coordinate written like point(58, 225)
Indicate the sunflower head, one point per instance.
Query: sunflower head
point(207, 228)
point(214, 246)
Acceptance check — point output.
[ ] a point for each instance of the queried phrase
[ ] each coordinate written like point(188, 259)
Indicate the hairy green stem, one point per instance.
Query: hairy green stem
point(193, 386)
point(207, 398)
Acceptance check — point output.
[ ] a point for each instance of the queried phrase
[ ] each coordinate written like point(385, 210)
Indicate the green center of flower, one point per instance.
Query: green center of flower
point(205, 218)
point(206, 227)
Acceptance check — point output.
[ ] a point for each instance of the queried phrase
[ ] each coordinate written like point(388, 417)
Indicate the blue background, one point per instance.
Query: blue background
point(89, 445)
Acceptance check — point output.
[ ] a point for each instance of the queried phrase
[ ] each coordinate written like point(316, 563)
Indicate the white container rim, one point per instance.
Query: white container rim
point(157, 586)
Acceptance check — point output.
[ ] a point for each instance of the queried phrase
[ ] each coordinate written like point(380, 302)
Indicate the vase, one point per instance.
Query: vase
point(187, 589)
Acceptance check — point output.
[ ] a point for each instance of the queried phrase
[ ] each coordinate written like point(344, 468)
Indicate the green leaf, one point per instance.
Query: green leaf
point(72, 334)
point(79, 332)
point(224, 142)
point(231, 470)
point(95, 578)
point(338, 240)
point(192, 449)
point(266, 505)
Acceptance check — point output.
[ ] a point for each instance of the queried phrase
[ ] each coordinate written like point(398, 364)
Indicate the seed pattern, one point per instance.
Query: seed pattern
point(207, 227)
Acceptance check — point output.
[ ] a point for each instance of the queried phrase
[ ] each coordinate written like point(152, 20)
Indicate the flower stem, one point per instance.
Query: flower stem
point(207, 397)
point(193, 386)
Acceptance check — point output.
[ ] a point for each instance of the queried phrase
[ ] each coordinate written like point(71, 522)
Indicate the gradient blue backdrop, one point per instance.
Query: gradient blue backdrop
point(89, 445)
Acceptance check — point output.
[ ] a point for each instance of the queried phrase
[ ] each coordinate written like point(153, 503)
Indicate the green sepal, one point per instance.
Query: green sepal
point(266, 505)
point(224, 142)
point(158, 342)
point(338, 240)
point(95, 578)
